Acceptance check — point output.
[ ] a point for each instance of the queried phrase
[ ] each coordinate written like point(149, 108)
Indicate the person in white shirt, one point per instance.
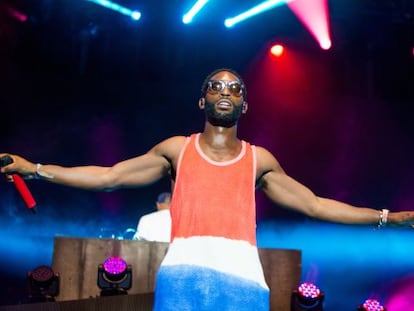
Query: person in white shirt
point(156, 226)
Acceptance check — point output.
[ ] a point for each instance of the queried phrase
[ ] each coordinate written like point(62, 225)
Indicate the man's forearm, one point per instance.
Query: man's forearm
point(85, 177)
point(340, 212)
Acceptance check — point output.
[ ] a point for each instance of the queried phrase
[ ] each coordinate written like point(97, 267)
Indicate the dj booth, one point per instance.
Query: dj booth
point(76, 261)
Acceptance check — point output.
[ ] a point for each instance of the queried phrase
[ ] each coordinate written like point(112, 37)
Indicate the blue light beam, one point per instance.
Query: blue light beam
point(188, 17)
point(260, 8)
point(135, 15)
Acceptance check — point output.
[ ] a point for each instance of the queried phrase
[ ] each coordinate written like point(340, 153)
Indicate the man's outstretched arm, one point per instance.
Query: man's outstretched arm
point(289, 193)
point(134, 172)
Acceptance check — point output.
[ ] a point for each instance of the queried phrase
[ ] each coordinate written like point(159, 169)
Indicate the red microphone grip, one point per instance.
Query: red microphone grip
point(20, 184)
point(24, 191)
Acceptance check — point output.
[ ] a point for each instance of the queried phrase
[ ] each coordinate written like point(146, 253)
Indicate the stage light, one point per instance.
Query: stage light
point(135, 15)
point(371, 305)
point(114, 277)
point(277, 50)
point(17, 14)
point(314, 16)
point(188, 17)
point(325, 44)
point(260, 8)
point(42, 284)
point(307, 297)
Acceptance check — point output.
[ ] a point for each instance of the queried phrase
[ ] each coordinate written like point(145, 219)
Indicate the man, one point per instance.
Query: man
point(156, 226)
point(212, 262)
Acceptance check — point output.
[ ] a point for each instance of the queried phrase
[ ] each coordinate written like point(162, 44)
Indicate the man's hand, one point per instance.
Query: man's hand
point(13, 164)
point(401, 219)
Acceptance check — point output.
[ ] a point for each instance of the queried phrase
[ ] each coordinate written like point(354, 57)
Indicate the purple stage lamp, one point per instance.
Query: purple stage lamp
point(371, 305)
point(307, 297)
point(114, 277)
point(42, 284)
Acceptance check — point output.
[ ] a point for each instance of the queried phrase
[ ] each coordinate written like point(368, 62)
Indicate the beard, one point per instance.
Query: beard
point(224, 119)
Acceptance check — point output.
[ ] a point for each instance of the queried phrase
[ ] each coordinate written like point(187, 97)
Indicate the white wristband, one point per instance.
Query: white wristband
point(39, 173)
point(383, 218)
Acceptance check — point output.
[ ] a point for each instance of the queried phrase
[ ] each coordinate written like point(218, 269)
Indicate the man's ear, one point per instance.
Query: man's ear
point(245, 105)
point(201, 102)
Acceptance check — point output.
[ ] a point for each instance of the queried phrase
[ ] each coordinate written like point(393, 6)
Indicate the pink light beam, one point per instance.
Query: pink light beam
point(314, 16)
point(17, 15)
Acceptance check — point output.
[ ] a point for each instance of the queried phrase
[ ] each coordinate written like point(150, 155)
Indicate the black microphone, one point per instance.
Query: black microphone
point(20, 185)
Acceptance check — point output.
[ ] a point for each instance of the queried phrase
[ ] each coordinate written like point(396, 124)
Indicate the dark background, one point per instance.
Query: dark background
point(84, 85)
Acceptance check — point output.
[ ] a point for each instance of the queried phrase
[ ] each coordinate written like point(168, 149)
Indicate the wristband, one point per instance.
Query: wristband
point(383, 218)
point(39, 173)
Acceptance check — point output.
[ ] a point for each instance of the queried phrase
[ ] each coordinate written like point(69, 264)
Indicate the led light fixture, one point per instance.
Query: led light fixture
point(307, 297)
point(371, 305)
point(114, 277)
point(42, 284)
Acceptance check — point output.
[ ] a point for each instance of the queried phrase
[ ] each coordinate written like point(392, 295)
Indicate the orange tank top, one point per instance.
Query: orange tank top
point(214, 198)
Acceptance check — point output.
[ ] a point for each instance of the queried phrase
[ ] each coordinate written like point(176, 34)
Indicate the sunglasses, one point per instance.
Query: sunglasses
point(236, 88)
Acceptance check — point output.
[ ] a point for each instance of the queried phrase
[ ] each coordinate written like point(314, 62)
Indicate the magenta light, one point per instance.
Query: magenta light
point(17, 15)
point(309, 290)
point(372, 305)
point(314, 15)
point(115, 265)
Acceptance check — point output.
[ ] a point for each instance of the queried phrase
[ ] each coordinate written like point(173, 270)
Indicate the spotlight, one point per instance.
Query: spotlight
point(307, 297)
point(314, 15)
point(277, 50)
point(21, 17)
point(42, 284)
point(188, 17)
point(258, 9)
point(114, 277)
point(371, 305)
point(135, 15)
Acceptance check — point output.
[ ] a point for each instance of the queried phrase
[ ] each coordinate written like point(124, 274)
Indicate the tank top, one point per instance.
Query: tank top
point(212, 262)
point(214, 198)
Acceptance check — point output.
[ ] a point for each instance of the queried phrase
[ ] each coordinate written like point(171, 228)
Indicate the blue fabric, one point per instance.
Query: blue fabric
point(193, 288)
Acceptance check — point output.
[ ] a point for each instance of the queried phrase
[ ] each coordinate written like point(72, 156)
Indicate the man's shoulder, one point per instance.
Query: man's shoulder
point(262, 152)
point(173, 142)
point(266, 161)
point(156, 214)
point(170, 148)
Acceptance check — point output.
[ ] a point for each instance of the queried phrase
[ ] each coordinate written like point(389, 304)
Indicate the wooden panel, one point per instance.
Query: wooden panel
point(282, 269)
point(76, 260)
point(139, 302)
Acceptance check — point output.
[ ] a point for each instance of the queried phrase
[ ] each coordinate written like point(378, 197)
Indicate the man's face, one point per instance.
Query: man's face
point(224, 100)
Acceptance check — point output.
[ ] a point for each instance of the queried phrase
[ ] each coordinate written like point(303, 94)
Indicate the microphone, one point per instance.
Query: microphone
point(20, 185)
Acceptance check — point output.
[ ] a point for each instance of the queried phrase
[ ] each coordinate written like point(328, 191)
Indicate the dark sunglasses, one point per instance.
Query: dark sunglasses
point(236, 88)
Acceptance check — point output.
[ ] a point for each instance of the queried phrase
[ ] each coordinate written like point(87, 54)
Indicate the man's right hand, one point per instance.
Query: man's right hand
point(17, 165)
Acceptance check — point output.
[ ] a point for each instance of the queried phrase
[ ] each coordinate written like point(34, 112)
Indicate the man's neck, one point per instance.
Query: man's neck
point(220, 143)
point(219, 135)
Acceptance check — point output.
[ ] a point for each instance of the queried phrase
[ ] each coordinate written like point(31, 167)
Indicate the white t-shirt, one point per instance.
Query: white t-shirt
point(155, 227)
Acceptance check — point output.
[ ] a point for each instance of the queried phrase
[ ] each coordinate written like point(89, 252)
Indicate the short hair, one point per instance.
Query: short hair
point(164, 197)
point(208, 78)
